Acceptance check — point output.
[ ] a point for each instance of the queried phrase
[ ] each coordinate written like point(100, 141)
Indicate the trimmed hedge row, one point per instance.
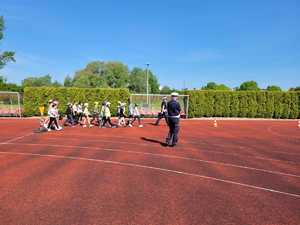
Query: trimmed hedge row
point(37, 96)
point(252, 104)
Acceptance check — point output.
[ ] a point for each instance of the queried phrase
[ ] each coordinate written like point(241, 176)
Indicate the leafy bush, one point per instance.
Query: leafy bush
point(252, 104)
point(37, 96)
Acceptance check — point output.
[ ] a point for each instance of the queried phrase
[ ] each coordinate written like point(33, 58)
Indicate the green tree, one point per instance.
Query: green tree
point(116, 75)
point(2, 80)
point(215, 86)
point(137, 81)
point(39, 81)
point(68, 82)
point(273, 88)
point(249, 86)
point(165, 90)
point(56, 84)
point(4, 86)
point(153, 83)
point(295, 89)
point(93, 75)
point(101, 74)
point(5, 56)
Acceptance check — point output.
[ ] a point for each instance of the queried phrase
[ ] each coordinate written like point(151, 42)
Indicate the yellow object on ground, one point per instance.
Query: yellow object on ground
point(42, 110)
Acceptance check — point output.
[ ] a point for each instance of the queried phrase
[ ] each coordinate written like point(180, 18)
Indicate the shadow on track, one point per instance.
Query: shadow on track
point(154, 141)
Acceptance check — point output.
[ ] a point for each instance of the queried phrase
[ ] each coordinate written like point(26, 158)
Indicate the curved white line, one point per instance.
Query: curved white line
point(157, 169)
point(143, 144)
point(209, 151)
point(270, 130)
point(16, 138)
point(165, 156)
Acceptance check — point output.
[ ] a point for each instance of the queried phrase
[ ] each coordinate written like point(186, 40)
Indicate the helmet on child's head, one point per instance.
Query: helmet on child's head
point(174, 94)
point(165, 98)
point(50, 101)
point(86, 104)
point(119, 102)
point(108, 103)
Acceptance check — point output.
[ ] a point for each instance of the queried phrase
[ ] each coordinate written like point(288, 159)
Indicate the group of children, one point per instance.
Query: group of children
point(80, 114)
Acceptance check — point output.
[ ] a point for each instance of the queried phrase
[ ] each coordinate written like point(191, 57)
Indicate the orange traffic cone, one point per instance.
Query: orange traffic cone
point(215, 123)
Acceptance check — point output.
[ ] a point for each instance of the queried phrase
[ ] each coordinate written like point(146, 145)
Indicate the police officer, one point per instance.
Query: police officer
point(173, 108)
point(163, 111)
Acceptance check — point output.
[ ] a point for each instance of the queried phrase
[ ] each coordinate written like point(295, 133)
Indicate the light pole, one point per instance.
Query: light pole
point(147, 77)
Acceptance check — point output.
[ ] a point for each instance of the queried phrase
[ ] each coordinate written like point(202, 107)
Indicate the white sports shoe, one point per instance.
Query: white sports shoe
point(130, 125)
point(49, 129)
point(84, 126)
point(140, 125)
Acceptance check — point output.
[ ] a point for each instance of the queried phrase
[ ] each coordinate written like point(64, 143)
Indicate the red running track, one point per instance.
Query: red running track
point(243, 172)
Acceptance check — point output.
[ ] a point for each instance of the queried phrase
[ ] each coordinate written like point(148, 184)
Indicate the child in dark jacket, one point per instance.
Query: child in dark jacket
point(121, 114)
point(70, 121)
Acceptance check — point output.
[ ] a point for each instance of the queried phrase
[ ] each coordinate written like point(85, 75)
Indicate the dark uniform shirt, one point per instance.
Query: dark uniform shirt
point(163, 107)
point(173, 108)
point(121, 113)
point(69, 110)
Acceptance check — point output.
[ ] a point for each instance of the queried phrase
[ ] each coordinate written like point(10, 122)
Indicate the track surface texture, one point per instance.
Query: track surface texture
point(242, 172)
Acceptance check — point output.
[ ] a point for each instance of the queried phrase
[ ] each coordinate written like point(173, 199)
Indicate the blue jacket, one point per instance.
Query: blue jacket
point(173, 109)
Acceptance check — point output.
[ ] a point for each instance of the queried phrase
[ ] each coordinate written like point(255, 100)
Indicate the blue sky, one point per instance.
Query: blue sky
point(187, 43)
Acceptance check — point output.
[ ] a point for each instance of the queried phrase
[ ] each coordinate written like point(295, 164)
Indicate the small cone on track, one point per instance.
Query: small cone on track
point(215, 123)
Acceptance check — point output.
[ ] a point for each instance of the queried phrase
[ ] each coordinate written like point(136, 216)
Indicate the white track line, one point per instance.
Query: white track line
point(270, 130)
point(203, 150)
point(163, 156)
point(247, 149)
point(192, 149)
point(157, 169)
point(185, 142)
point(16, 138)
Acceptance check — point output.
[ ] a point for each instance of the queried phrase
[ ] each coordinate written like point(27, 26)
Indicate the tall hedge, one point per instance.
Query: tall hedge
point(252, 104)
point(37, 96)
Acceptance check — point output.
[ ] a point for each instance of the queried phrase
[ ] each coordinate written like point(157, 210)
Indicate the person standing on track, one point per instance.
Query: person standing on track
point(96, 111)
point(121, 114)
point(70, 121)
point(163, 111)
point(136, 116)
point(130, 113)
point(86, 116)
point(173, 108)
point(53, 115)
point(107, 116)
